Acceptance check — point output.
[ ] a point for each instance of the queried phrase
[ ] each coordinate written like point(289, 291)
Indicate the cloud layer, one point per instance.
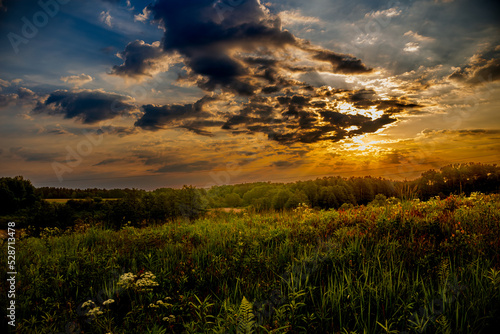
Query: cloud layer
point(88, 106)
point(242, 49)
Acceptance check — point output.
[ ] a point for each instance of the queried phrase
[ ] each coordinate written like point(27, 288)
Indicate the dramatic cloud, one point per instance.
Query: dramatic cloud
point(482, 68)
point(77, 80)
point(143, 60)
point(244, 50)
point(89, 106)
point(144, 16)
point(345, 64)
point(322, 115)
point(23, 96)
point(159, 117)
point(217, 41)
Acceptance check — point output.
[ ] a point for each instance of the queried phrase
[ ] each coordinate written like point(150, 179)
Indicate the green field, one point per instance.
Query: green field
point(410, 267)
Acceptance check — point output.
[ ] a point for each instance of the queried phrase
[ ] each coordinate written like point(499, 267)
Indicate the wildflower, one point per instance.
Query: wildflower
point(143, 282)
point(109, 301)
point(126, 280)
point(88, 303)
point(94, 312)
point(146, 282)
point(170, 318)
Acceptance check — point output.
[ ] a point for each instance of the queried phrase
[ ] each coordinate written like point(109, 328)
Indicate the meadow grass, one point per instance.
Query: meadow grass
point(411, 267)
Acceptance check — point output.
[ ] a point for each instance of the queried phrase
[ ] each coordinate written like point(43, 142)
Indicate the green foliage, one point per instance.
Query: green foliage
point(414, 266)
point(141, 208)
point(246, 321)
point(233, 200)
point(16, 194)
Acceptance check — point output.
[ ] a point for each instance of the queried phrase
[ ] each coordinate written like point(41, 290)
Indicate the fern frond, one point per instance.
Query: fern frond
point(245, 322)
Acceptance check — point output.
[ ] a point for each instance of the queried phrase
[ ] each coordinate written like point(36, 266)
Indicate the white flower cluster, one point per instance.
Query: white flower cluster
point(161, 303)
point(92, 309)
point(88, 303)
point(170, 318)
point(107, 302)
point(144, 282)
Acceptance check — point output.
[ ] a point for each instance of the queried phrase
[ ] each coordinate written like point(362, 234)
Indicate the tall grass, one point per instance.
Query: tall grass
point(414, 267)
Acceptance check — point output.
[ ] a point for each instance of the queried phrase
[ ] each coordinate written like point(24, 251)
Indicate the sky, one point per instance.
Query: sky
point(141, 94)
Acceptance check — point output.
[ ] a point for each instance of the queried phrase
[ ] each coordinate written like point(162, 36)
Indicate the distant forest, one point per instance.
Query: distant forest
point(20, 200)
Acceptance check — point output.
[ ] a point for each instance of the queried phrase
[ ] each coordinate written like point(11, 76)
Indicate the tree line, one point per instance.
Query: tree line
point(133, 206)
point(60, 192)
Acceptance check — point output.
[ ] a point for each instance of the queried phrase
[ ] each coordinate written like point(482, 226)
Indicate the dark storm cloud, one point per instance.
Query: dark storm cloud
point(140, 59)
point(206, 36)
point(371, 126)
point(244, 50)
point(158, 117)
point(366, 98)
point(302, 118)
point(345, 64)
point(228, 45)
point(89, 106)
point(482, 68)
